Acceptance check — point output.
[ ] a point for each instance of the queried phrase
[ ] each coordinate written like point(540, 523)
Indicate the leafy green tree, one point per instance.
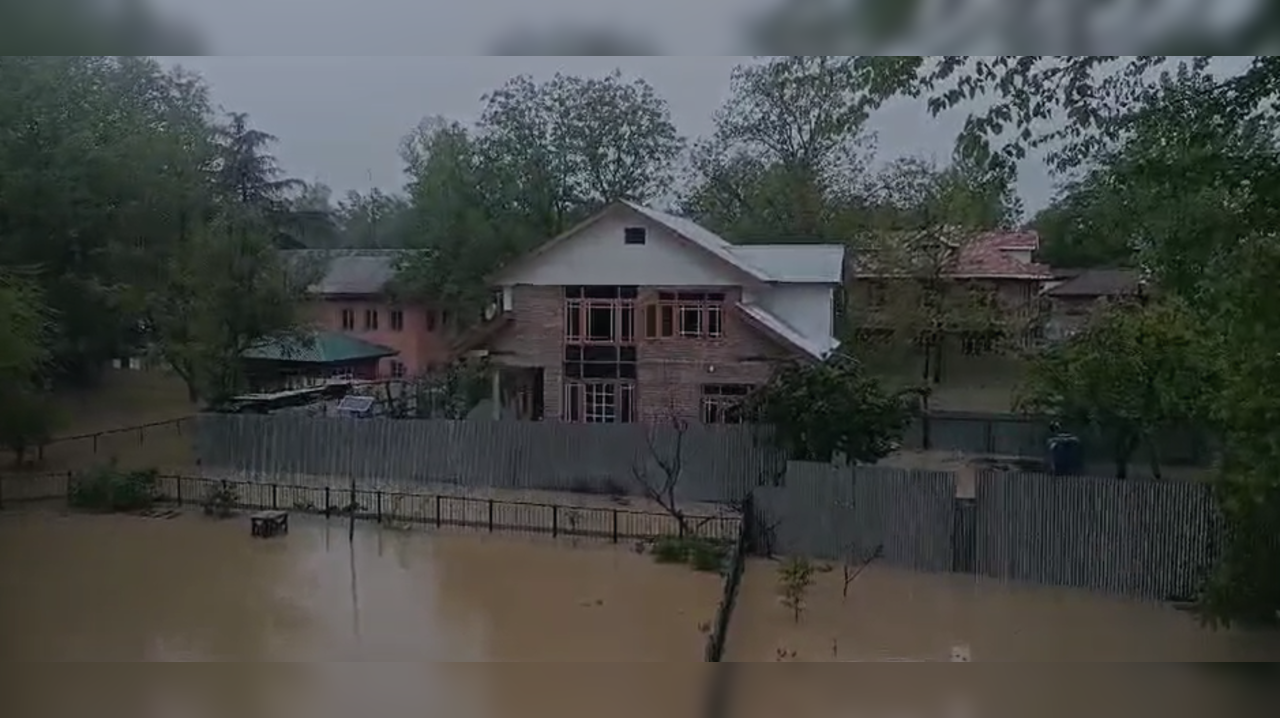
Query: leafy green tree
point(252, 186)
point(816, 411)
point(374, 219)
point(27, 418)
point(544, 156)
point(87, 197)
point(788, 147)
point(1133, 373)
point(225, 290)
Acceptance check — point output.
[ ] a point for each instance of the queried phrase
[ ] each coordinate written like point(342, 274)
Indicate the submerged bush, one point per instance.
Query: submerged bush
point(107, 488)
point(700, 553)
point(221, 500)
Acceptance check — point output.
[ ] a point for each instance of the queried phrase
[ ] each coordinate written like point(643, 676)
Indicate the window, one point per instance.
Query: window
point(686, 314)
point(371, 320)
point(722, 403)
point(397, 320)
point(690, 320)
point(599, 402)
point(431, 320)
point(348, 319)
point(600, 315)
point(599, 361)
point(397, 369)
point(634, 235)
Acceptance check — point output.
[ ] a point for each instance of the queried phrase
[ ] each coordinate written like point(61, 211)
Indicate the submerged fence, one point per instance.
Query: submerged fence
point(1141, 538)
point(399, 508)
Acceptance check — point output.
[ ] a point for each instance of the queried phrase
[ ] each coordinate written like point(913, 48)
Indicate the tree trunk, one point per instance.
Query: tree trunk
point(1153, 457)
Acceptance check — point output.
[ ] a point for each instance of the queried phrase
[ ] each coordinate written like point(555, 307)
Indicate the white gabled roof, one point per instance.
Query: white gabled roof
point(701, 236)
point(796, 263)
point(816, 347)
point(786, 263)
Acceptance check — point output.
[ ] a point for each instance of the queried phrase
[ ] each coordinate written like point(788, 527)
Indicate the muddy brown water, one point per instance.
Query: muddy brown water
point(394, 624)
point(900, 616)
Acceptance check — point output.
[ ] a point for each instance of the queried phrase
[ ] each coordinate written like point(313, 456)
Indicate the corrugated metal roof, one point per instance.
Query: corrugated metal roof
point(321, 347)
point(796, 263)
point(352, 271)
point(816, 347)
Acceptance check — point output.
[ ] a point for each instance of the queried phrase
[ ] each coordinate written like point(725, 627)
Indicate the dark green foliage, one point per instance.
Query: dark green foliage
point(110, 489)
point(221, 500)
point(700, 553)
point(814, 411)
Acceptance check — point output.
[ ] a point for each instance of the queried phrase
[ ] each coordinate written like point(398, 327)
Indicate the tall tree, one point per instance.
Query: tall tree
point(27, 417)
point(373, 219)
point(251, 183)
point(788, 145)
point(544, 156)
point(225, 290)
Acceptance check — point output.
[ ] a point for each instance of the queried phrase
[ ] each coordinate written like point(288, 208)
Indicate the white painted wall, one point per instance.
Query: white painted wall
point(809, 308)
point(598, 256)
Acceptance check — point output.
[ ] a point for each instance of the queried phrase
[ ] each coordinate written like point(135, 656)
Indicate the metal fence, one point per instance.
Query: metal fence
point(1143, 538)
point(1027, 436)
point(839, 513)
point(404, 508)
point(1148, 539)
point(716, 464)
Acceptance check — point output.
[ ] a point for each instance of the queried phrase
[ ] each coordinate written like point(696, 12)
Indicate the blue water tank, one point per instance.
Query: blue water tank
point(1066, 457)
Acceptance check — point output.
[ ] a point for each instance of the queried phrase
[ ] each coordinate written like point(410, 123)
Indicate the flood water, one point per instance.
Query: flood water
point(901, 616)
point(396, 622)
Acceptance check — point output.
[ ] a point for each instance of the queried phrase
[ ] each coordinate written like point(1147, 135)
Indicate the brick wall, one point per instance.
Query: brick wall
point(670, 370)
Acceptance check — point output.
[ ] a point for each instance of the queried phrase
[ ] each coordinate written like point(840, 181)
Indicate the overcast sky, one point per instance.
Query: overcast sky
point(339, 119)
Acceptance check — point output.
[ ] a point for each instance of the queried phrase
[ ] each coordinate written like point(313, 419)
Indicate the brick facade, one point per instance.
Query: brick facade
point(670, 371)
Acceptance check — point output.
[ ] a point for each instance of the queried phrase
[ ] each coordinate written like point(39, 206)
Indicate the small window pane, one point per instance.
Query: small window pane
point(668, 320)
point(714, 328)
point(690, 321)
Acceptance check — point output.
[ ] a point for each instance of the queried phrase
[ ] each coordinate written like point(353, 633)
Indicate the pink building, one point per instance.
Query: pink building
point(352, 297)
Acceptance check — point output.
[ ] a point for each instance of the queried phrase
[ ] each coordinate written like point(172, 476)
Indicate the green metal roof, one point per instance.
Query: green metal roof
point(321, 347)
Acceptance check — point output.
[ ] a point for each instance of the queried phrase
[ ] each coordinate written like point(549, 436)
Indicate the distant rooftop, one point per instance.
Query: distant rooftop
point(1098, 283)
point(352, 271)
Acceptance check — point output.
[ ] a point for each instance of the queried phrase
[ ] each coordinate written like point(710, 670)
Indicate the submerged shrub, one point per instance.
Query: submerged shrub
point(700, 553)
point(107, 488)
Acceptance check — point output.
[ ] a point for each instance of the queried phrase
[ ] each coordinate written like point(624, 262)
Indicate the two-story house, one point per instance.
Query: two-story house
point(991, 276)
point(637, 314)
point(353, 297)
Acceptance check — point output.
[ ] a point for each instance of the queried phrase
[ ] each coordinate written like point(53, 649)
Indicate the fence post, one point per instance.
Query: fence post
point(177, 489)
point(142, 435)
point(327, 503)
point(438, 519)
point(70, 479)
point(274, 505)
point(490, 515)
point(615, 526)
point(555, 521)
point(95, 443)
point(1, 493)
point(379, 500)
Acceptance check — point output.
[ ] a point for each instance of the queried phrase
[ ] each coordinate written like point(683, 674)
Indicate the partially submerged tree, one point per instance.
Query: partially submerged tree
point(816, 411)
point(665, 444)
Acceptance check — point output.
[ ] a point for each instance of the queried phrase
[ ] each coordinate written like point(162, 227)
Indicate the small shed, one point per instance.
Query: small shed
point(312, 358)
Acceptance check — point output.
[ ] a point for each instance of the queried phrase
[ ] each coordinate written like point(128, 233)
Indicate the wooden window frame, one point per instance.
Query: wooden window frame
point(396, 320)
point(578, 401)
point(664, 317)
point(719, 403)
point(622, 314)
point(371, 320)
point(348, 319)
